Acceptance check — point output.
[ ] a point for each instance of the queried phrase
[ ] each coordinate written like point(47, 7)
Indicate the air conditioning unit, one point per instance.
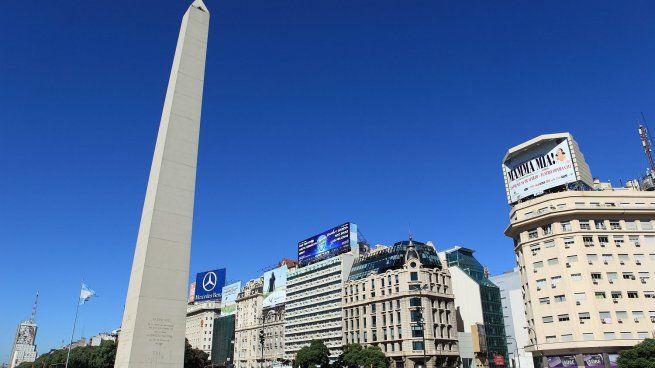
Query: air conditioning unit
point(568, 265)
point(615, 300)
point(638, 262)
point(553, 285)
point(611, 281)
point(535, 270)
point(577, 303)
point(637, 245)
point(603, 244)
point(643, 280)
point(538, 288)
point(595, 282)
point(621, 262)
point(632, 278)
point(582, 322)
point(591, 263)
point(636, 320)
point(603, 321)
point(534, 253)
point(604, 262)
point(652, 319)
point(620, 321)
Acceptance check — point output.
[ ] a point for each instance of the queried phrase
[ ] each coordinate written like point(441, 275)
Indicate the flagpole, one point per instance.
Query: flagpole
point(77, 309)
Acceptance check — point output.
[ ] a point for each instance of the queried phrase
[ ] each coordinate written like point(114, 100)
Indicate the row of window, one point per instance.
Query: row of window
point(595, 277)
point(605, 317)
point(592, 258)
point(566, 226)
point(591, 241)
point(587, 336)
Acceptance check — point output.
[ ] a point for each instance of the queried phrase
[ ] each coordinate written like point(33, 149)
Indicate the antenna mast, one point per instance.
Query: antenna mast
point(36, 302)
point(645, 142)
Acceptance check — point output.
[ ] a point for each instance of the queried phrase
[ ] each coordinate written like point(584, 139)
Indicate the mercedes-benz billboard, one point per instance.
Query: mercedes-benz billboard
point(209, 285)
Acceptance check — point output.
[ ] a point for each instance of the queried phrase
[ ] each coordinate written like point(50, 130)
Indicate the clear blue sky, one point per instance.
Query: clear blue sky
point(315, 113)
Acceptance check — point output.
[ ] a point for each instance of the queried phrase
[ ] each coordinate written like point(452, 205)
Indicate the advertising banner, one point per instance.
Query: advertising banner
point(275, 287)
point(539, 169)
point(192, 293)
point(229, 298)
point(593, 361)
point(561, 361)
point(327, 244)
point(209, 285)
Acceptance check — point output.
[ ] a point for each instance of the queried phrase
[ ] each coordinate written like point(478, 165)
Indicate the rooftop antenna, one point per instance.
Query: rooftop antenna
point(646, 143)
point(36, 302)
point(409, 230)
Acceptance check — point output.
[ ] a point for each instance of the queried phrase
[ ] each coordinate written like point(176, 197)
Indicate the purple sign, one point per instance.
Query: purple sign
point(561, 361)
point(593, 361)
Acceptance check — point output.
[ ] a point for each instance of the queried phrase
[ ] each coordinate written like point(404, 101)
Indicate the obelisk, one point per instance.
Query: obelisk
point(152, 331)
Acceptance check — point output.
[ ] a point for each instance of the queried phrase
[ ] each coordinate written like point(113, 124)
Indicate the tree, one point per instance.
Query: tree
point(354, 355)
point(102, 356)
point(194, 358)
point(316, 354)
point(641, 355)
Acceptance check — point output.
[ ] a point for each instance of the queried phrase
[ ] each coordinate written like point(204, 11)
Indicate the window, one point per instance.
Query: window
point(535, 247)
point(555, 280)
point(618, 240)
point(417, 331)
point(584, 225)
point(633, 295)
point(615, 225)
point(626, 335)
point(639, 258)
point(628, 276)
point(539, 264)
point(580, 296)
point(532, 234)
point(643, 335)
point(541, 282)
point(551, 339)
point(559, 298)
point(553, 261)
point(545, 300)
point(547, 230)
point(588, 241)
point(567, 338)
point(568, 242)
point(571, 259)
point(588, 336)
point(547, 319)
point(634, 240)
point(605, 317)
point(549, 243)
point(612, 276)
point(637, 315)
point(616, 294)
point(415, 302)
point(643, 276)
point(623, 258)
point(600, 295)
point(413, 276)
point(584, 316)
point(596, 276)
point(607, 258)
point(592, 258)
point(417, 345)
point(599, 224)
point(646, 225)
point(621, 316)
point(566, 226)
point(563, 317)
point(576, 277)
point(609, 335)
point(415, 316)
point(631, 225)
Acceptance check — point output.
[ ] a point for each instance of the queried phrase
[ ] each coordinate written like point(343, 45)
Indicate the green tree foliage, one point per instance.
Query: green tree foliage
point(316, 354)
point(354, 355)
point(194, 358)
point(641, 355)
point(103, 356)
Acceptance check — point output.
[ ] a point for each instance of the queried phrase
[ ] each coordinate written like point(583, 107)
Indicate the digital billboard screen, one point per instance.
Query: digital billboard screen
point(229, 298)
point(327, 244)
point(275, 287)
point(209, 285)
point(562, 361)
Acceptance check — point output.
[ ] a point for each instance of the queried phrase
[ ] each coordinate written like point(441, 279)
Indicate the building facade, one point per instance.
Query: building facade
point(511, 296)
point(199, 327)
point(400, 299)
point(248, 324)
point(223, 341)
point(24, 347)
point(586, 260)
point(478, 310)
point(314, 305)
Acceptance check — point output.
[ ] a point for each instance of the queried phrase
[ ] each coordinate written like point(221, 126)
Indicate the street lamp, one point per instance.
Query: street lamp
point(536, 342)
point(516, 349)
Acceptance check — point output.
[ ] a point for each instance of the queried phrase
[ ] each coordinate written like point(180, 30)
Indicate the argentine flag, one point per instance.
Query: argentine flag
point(86, 294)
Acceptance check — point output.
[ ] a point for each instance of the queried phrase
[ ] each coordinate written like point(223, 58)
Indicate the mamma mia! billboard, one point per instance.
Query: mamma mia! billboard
point(275, 287)
point(539, 168)
point(209, 285)
point(327, 244)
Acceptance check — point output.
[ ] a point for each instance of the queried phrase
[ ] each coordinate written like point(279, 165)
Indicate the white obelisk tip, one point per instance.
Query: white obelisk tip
point(200, 5)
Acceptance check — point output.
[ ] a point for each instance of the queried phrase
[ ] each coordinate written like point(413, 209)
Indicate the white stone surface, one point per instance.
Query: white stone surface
point(152, 331)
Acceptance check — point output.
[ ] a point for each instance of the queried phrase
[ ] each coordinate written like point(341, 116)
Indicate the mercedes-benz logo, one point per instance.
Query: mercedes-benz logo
point(209, 281)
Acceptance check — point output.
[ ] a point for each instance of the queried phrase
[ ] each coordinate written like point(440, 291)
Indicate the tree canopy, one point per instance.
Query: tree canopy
point(355, 355)
point(641, 355)
point(316, 354)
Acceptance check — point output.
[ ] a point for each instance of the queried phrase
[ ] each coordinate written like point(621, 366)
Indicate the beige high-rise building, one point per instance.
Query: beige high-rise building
point(586, 256)
point(248, 324)
point(200, 318)
point(400, 299)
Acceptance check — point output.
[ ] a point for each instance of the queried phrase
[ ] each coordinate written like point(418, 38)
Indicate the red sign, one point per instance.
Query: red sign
point(499, 360)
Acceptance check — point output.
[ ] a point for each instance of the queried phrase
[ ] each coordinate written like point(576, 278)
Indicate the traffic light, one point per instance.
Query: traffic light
point(261, 337)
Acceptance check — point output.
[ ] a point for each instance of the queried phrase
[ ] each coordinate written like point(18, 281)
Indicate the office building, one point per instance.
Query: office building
point(199, 329)
point(103, 336)
point(400, 299)
point(248, 324)
point(511, 297)
point(24, 347)
point(585, 252)
point(479, 310)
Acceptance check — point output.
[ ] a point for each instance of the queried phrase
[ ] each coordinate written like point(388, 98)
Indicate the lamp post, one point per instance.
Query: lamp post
point(516, 349)
point(536, 342)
